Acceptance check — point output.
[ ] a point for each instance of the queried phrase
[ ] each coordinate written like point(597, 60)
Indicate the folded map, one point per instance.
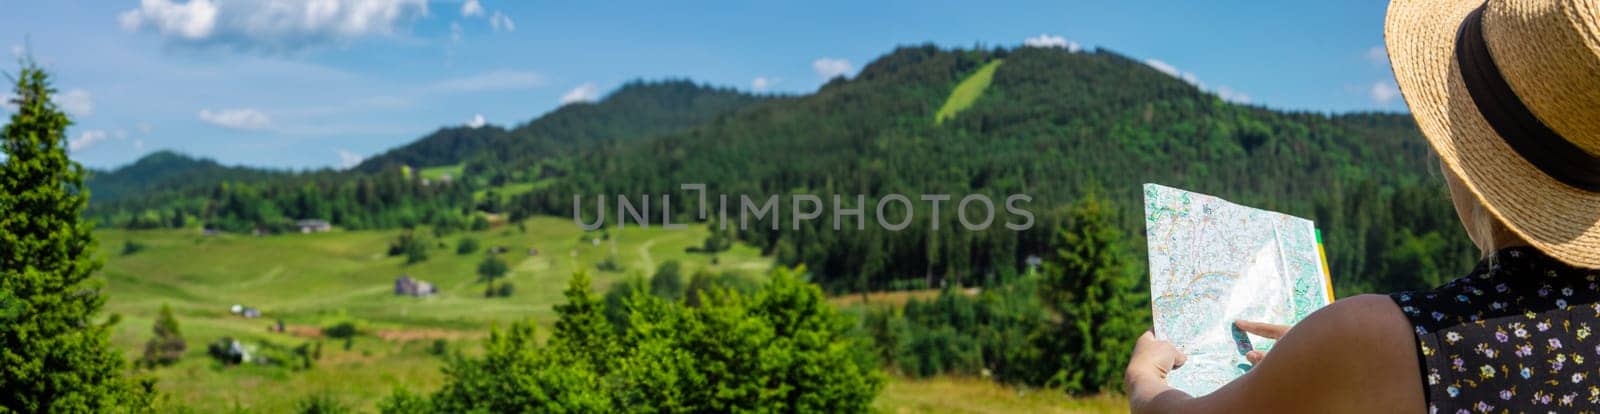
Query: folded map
point(1213, 262)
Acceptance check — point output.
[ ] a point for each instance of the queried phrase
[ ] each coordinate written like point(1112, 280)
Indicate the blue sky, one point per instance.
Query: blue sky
point(323, 83)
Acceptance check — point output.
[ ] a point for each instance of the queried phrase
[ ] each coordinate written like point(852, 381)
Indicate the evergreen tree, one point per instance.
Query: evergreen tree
point(582, 331)
point(54, 355)
point(1092, 283)
point(168, 345)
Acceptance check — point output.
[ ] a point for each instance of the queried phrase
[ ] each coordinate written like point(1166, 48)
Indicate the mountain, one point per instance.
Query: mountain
point(636, 110)
point(167, 170)
point(1049, 123)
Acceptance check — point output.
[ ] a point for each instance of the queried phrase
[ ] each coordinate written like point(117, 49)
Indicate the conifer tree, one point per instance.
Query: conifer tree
point(168, 345)
point(55, 355)
point(1090, 282)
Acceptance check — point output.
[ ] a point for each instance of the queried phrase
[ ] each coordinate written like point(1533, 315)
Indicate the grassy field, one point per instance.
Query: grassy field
point(967, 91)
point(312, 280)
point(434, 173)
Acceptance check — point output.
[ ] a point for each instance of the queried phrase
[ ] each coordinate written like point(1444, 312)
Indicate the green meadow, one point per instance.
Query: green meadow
point(314, 280)
point(967, 92)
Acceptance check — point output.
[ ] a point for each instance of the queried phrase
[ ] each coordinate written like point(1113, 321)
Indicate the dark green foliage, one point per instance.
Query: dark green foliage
point(783, 349)
point(489, 270)
point(308, 353)
point(440, 347)
point(504, 290)
point(403, 401)
point(616, 298)
point(321, 403)
point(168, 345)
point(668, 281)
point(609, 264)
point(411, 245)
point(467, 245)
point(1093, 285)
point(341, 330)
point(130, 247)
point(479, 222)
point(55, 352)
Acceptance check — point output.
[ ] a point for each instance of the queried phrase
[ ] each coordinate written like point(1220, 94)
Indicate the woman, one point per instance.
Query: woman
point(1508, 94)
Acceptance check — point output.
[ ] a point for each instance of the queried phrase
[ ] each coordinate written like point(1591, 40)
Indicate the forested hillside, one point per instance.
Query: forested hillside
point(1052, 124)
point(166, 170)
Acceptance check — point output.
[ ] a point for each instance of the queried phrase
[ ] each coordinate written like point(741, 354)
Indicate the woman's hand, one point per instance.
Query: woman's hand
point(1264, 330)
point(1152, 359)
point(1147, 374)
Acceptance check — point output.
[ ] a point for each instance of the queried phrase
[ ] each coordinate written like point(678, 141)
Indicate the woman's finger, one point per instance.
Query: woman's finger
point(1265, 330)
point(1255, 357)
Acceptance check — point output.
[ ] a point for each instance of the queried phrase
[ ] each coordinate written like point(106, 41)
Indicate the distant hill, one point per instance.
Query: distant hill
point(167, 170)
point(636, 110)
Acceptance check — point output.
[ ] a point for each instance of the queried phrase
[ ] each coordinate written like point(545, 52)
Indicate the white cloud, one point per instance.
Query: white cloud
point(269, 25)
point(348, 159)
point(1378, 54)
point(586, 92)
point(76, 102)
point(1173, 71)
point(138, 144)
point(242, 118)
point(17, 51)
point(762, 83)
point(1383, 92)
point(455, 32)
point(487, 81)
point(829, 68)
point(1049, 40)
point(143, 127)
point(86, 139)
point(1230, 95)
point(1225, 92)
point(502, 23)
point(477, 121)
point(471, 8)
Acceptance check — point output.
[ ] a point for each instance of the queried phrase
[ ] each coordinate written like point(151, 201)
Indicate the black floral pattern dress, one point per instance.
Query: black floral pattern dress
point(1515, 335)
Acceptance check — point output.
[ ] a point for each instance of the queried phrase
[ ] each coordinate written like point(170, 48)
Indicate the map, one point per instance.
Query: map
point(1213, 262)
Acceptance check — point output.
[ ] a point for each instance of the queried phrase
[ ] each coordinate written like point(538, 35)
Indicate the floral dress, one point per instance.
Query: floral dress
point(1515, 335)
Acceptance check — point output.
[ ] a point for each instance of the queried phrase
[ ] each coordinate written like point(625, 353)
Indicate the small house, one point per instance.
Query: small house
point(245, 311)
point(313, 226)
point(408, 286)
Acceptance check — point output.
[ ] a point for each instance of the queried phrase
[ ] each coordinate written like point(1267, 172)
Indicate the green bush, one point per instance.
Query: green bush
point(467, 245)
point(341, 330)
point(321, 403)
point(130, 247)
point(784, 348)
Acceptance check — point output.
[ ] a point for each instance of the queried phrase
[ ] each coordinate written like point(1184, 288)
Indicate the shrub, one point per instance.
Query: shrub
point(131, 247)
point(321, 403)
point(467, 245)
point(341, 330)
point(168, 345)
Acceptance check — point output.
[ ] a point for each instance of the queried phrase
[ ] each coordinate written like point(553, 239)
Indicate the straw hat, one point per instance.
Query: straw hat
point(1508, 94)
